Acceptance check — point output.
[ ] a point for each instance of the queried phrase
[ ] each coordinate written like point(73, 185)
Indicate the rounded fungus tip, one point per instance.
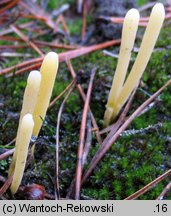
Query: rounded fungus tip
point(133, 13)
point(28, 118)
point(34, 76)
point(158, 7)
point(51, 55)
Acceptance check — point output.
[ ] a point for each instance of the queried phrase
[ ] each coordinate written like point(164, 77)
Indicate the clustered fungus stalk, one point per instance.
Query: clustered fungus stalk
point(35, 103)
point(29, 102)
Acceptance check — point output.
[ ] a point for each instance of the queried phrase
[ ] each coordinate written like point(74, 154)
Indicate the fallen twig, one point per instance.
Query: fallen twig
point(9, 5)
point(26, 39)
point(61, 94)
point(73, 74)
point(88, 140)
point(114, 127)
point(7, 154)
point(6, 185)
point(164, 192)
point(82, 137)
point(57, 193)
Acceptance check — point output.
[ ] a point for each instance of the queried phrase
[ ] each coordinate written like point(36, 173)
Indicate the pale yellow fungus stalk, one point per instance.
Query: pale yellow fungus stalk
point(29, 102)
point(129, 31)
point(48, 71)
point(22, 142)
point(31, 93)
point(150, 37)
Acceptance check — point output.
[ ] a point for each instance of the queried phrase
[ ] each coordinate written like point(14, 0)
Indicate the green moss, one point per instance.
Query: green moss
point(142, 2)
point(56, 4)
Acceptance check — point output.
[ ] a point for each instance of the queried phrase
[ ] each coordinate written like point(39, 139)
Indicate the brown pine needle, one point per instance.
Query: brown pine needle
point(81, 91)
point(82, 137)
point(164, 192)
point(26, 39)
point(149, 186)
point(6, 185)
point(61, 94)
point(7, 154)
point(10, 5)
point(57, 192)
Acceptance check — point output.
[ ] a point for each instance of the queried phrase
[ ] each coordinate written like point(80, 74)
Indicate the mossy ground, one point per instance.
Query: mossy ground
point(132, 162)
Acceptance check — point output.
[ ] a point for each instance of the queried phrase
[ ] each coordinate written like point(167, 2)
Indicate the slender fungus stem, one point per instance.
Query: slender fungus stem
point(150, 37)
point(129, 31)
point(22, 143)
point(120, 92)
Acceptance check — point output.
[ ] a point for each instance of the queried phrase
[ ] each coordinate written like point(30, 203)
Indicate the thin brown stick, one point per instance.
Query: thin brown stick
point(2, 179)
point(10, 5)
point(149, 186)
point(102, 151)
point(84, 19)
point(57, 192)
point(64, 25)
point(88, 140)
point(64, 56)
point(146, 6)
point(120, 121)
point(114, 127)
point(26, 69)
point(38, 13)
point(85, 154)
point(119, 20)
point(55, 45)
point(23, 65)
point(38, 43)
point(6, 185)
point(11, 142)
point(12, 46)
point(164, 192)
point(82, 137)
point(61, 94)
point(81, 91)
point(4, 2)
point(26, 39)
point(8, 31)
point(7, 154)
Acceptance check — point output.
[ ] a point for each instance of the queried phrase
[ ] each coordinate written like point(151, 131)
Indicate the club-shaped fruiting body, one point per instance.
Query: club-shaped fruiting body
point(150, 37)
point(48, 72)
point(23, 139)
point(31, 93)
point(35, 101)
point(29, 102)
point(129, 31)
